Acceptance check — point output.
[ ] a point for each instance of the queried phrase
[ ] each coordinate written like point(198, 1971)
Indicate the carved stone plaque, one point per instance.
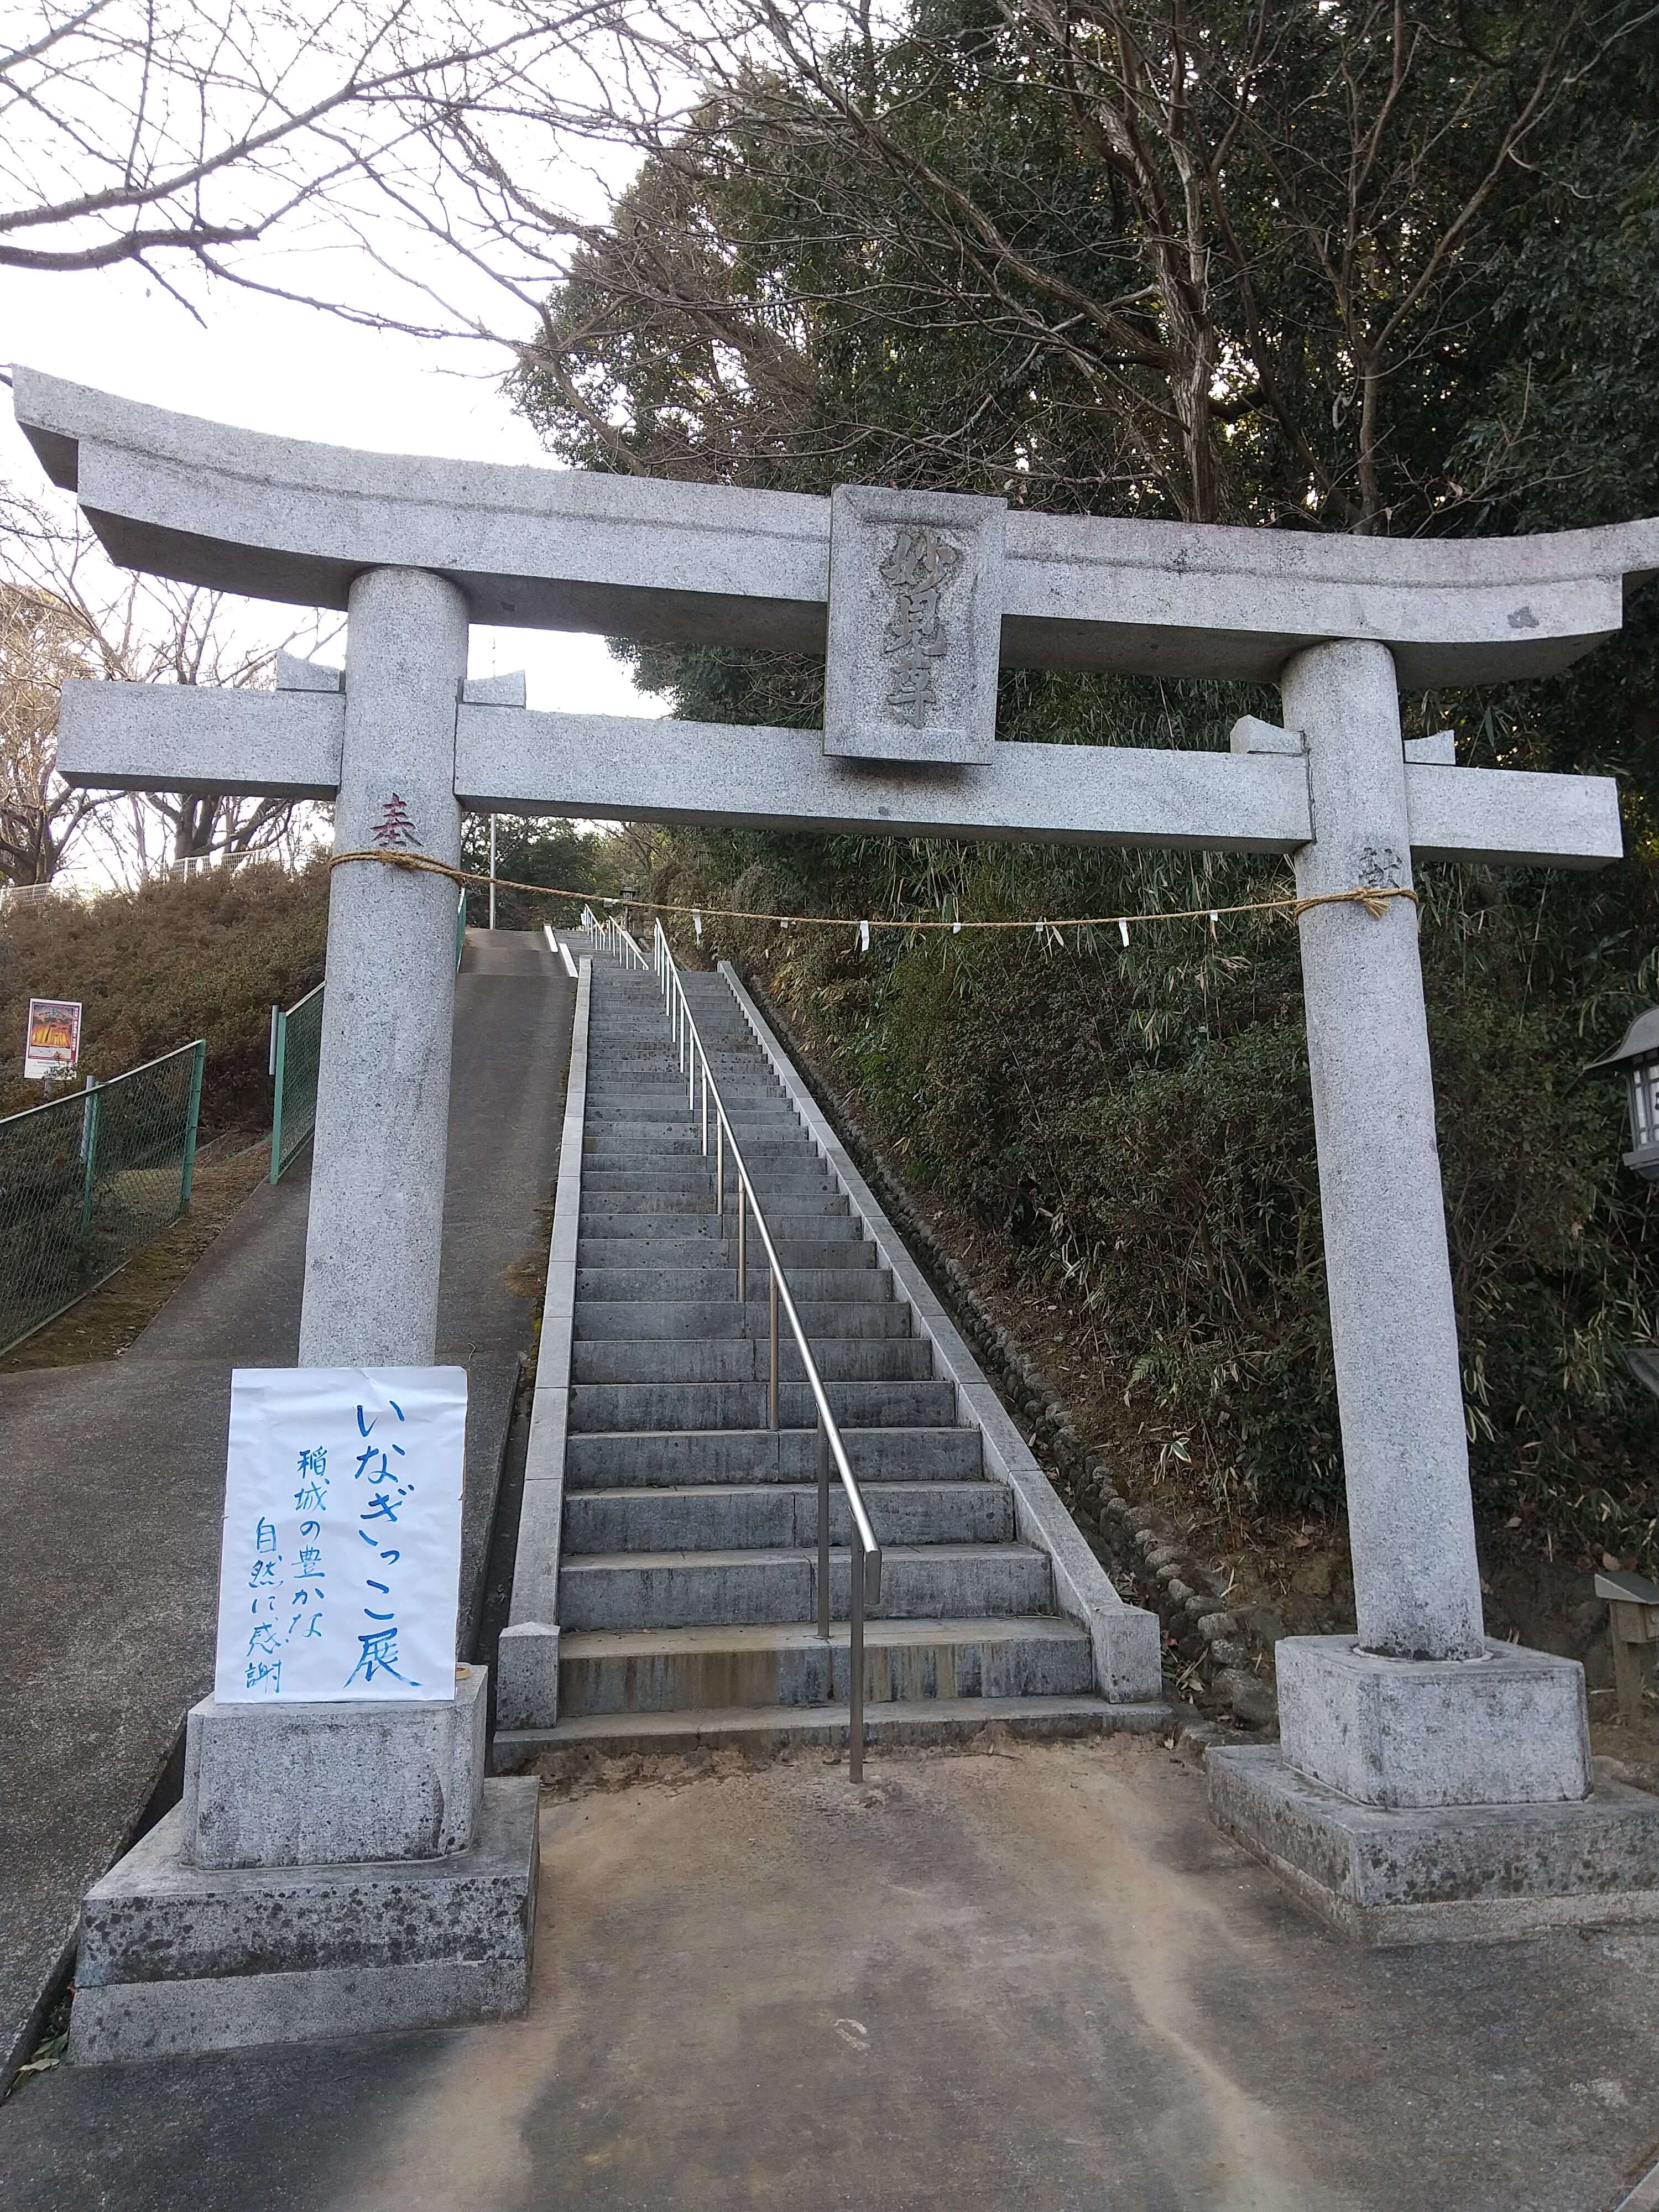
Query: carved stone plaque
point(916, 625)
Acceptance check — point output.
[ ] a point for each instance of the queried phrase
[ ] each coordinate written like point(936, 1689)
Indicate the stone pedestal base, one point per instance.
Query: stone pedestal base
point(1446, 1873)
point(177, 1958)
point(1508, 1730)
point(307, 1784)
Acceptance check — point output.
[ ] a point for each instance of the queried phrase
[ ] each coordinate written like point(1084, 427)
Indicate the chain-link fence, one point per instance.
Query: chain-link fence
point(86, 1181)
point(296, 1050)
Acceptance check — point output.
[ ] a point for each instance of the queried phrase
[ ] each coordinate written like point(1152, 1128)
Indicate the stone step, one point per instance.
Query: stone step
point(694, 1205)
point(618, 1408)
point(748, 1359)
point(805, 1174)
point(766, 1125)
point(660, 1101)
point(748, 1063)
point(687, 1589)
point(607, 1151)
point(640, 1320)
point(648, 1012)
point(641, 1120)
point(610, 1062)
point(616, 1048)
point(748, 1076)
point(790, 1161)
point(656, 1091)
point(720, 1253)
point(785, 1663)
point(775, 1516)
point(670, 1459)
point(759, 1732)
point(793, 1226)
point(674, 1285)
point(618, 1041)
point(727, 1053)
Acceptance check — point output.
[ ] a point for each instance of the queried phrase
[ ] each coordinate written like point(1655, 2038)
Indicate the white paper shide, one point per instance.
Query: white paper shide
point(340, 1572)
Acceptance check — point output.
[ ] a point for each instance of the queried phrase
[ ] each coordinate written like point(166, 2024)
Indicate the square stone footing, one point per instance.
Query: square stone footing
point(176, 1959)
point(1445, 1873)
point(330, 1784)
point(1508, 1728)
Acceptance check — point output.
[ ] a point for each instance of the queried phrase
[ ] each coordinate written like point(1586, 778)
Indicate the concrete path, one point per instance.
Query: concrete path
point(1035, 1980)
point(112, 1480)
point(513, 1005)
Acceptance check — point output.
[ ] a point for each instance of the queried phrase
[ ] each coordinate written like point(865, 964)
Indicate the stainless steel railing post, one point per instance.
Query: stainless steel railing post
point(855, 1661)
point(743, 1263)
point(719, 1166)
point(772, 1388)
point(824, 1538)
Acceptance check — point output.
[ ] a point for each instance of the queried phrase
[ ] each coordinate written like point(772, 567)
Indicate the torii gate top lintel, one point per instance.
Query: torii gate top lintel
point(283, 519)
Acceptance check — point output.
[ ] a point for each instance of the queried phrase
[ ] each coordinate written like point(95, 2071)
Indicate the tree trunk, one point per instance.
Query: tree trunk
point(193, 834)
point(1371, 518)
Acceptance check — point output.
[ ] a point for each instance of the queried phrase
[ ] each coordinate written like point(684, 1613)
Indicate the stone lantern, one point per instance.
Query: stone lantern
point(1638, 1056)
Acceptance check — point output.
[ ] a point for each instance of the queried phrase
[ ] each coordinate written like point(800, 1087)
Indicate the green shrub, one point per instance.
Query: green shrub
point(1137, 1128)
point(155, 968)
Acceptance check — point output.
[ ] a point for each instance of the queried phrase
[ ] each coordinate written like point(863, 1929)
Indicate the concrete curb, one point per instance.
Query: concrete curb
point(527, 1663)
point(1128, 1640)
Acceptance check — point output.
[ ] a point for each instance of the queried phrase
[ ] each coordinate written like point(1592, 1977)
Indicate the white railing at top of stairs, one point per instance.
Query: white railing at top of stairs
point(865, 1568)
point(614, 940)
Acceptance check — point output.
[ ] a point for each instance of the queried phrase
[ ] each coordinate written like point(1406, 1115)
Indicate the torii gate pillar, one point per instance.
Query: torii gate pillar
point(1418, 1710)
point(1417, 1583)
point(375, 1231)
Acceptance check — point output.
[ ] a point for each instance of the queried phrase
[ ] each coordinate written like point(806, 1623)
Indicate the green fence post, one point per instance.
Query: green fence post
point(89, 1117)
point(278, 1057)
point(193, 1115)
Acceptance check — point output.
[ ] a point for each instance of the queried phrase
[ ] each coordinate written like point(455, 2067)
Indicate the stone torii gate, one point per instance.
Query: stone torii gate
point(916, 598)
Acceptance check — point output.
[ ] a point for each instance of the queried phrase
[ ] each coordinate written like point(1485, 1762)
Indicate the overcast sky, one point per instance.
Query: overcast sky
point(273, 367)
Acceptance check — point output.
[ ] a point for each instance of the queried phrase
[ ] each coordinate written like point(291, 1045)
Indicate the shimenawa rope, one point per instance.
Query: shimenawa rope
point(1373, 897)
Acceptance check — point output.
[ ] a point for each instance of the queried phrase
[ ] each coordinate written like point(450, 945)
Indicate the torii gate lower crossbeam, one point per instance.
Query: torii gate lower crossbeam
point(1417, 1712)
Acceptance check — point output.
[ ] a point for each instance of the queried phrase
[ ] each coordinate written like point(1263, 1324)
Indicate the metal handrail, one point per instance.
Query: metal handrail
point(614, 939)
point(864, 1587)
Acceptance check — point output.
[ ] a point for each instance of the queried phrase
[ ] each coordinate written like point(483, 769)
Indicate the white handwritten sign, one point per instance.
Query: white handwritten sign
point(340, 1572)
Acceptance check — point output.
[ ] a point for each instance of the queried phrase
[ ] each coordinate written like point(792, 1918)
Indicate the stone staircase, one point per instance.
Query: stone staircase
point(687, 1599)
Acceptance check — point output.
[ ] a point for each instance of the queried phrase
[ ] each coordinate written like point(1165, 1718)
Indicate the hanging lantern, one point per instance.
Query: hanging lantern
point(1638, 1056)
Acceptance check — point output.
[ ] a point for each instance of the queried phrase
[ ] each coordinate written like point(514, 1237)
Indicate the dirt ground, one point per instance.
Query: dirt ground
point(1032, 1976)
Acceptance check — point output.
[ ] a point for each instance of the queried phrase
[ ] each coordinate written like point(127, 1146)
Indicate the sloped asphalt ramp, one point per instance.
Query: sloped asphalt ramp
point(112, 1474)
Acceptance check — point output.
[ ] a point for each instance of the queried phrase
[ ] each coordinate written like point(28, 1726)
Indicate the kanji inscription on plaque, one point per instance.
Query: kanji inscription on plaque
point(918, 571)
point(915, 623)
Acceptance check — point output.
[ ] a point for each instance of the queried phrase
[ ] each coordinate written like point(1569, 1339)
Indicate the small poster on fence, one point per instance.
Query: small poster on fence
point(341, 1568)
point(53, 1043)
